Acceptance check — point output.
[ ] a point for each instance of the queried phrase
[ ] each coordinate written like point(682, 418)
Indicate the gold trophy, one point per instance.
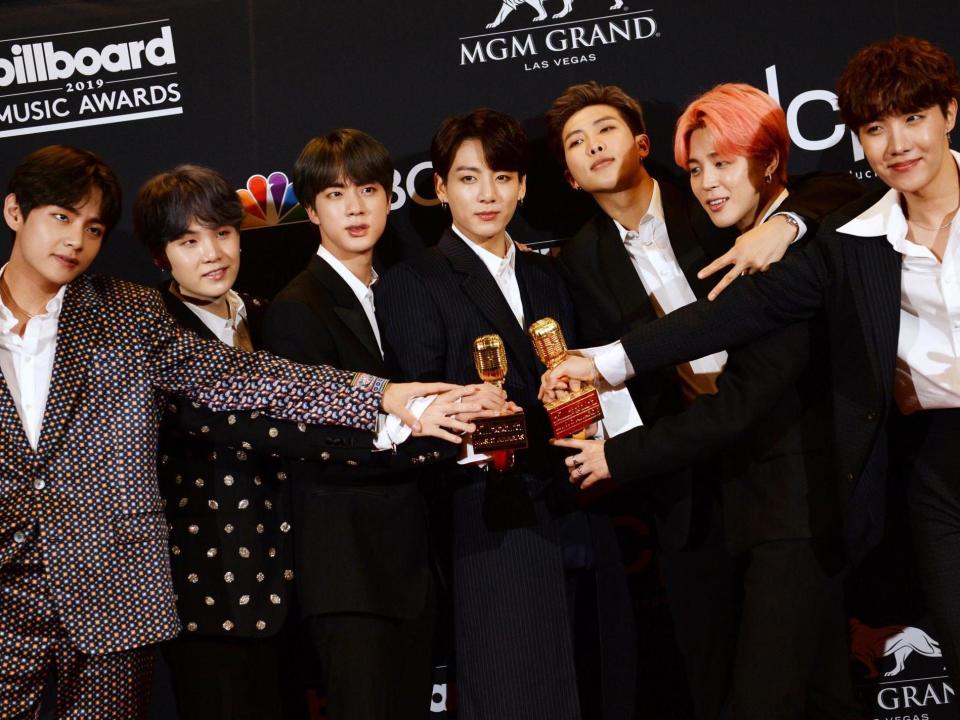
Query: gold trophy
point(577, 411)
point(504, 432)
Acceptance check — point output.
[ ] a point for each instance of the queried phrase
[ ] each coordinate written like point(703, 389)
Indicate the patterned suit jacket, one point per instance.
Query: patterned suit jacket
point(87, 497)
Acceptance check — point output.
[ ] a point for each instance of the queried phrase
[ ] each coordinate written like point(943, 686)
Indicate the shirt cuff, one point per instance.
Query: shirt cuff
point(801, 225)
point(390, 428)
point(612, 363)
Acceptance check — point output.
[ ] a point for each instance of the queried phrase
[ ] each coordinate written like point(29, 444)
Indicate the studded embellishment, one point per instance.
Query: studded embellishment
point(182, 503)
point(213, 504)
point(273, 432)
point(228, 528)
point(302, 427)
point(178, 479)
point(244, 599)
point(241, 455)
point(228, 577)
point(175, 549)
point(243, 504)
point(260, 528)
point(274, 598)
point(227, 625)
point(205, 429)
point(244, 552)
point(212, 456)
point(255, 414)
point(246, 446)
point(284, 527)
point(261, 577)
point(193, 529)
point(231, 419)
point(198, 482)
point(272, 552)
point(324, 455)
point(288, 574)
point(228, 480)
point(191, 627)
point(268, 505)
point(209, 600)
point(257, 481)
point(212, 552)
point(281, 475)
point(261, 625)
point(193, 577)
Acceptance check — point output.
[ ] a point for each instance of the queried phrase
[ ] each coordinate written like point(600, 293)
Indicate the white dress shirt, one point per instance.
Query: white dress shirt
point(225, 329)
point(390, 429)
point(504, 272)
point(928, 347)
point(27, 362)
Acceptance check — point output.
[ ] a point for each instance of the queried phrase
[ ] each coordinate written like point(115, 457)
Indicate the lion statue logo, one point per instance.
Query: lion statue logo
point(508, 6)
point(868, 645)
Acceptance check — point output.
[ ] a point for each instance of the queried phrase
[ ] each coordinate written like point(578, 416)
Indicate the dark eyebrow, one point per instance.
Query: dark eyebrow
point(605, 118)
point(467, 167)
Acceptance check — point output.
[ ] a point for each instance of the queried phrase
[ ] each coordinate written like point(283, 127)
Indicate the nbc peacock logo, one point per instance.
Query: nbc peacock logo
point(270, 200)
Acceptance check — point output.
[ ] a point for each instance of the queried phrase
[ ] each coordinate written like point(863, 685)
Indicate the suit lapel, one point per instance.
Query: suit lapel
point(345, 305)
point(875, 272)
point(11, 426)
point(478, 285)
point(621, 276)
point(184, 316)
point(78, 332)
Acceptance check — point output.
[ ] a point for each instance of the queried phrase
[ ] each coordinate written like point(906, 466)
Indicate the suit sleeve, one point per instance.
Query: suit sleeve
point(751, 384)
point(293, 331)
point(791, 291)
point(224, 378)
point(815, 195)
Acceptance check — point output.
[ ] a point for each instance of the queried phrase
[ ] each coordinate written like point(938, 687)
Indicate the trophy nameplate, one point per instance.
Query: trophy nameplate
point(503, 432)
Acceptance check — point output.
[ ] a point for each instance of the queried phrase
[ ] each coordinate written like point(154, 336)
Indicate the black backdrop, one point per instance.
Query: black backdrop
point(241, 86)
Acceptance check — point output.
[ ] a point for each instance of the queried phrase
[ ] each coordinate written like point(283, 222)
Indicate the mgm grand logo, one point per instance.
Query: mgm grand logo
point(562, 41)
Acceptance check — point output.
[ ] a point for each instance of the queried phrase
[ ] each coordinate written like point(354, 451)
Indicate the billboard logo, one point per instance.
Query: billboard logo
point(270, 201)
point(95, 76)
point(508, 6)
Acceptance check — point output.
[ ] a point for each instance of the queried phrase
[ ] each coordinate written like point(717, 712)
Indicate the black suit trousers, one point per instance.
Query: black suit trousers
point(925, 446)
point(375, 667)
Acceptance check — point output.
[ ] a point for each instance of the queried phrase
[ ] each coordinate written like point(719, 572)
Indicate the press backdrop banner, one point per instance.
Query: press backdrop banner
point(240, 86)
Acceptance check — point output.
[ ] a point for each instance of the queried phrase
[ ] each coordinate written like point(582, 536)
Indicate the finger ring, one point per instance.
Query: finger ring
point(577, 463)
point(579, 470)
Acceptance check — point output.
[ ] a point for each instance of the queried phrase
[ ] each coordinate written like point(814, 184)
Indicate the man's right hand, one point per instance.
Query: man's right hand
point(398, 395)
point(567, 376)
point(454, 410)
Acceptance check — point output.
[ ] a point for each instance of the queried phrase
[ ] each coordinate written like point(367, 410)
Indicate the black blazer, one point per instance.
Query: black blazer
point(456, 300)
point(856, 282)
point(610, 299)
point(361, 540)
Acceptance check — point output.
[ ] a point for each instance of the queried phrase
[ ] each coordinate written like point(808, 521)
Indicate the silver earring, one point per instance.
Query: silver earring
point(443, 204)
point(768, 179)
point(520, 202)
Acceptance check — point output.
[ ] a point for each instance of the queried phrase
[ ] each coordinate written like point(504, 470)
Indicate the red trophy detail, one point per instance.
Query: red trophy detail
point(501, 435)
point(578, 410)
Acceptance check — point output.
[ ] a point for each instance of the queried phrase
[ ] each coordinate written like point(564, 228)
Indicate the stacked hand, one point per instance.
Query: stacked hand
point(567, 377)
point(452, 411)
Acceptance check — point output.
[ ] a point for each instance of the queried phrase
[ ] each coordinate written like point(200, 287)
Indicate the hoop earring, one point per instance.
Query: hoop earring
point(768, 179)
point(520, 202)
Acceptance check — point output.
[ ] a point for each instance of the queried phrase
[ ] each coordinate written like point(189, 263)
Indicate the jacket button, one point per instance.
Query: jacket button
point(19, 537)
point(39, 484)
point(850, 477)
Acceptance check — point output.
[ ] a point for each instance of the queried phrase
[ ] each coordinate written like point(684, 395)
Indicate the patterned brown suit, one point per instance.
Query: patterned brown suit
point(83, 511)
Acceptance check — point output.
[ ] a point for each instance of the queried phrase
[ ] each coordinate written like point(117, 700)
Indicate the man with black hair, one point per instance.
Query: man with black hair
point(84, 565)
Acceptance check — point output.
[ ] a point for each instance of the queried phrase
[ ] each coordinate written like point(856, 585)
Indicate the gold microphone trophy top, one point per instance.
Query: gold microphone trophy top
point(504, 431)
point(578, 410)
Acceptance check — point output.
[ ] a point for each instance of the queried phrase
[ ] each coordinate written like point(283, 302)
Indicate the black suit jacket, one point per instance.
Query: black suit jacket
point(856, 282)
point(361, 541)
point(758, 388)
point(456, 300)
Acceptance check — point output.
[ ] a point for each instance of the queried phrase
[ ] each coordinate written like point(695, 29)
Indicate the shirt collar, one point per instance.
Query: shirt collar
point(235, 307)
point(654, 211)
point(353, 282)
point(52, 309)
point(885, 218)
point(494, 263)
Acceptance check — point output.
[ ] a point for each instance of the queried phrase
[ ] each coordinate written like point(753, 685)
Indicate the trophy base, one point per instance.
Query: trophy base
point(500, 433)
point(574, 413)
